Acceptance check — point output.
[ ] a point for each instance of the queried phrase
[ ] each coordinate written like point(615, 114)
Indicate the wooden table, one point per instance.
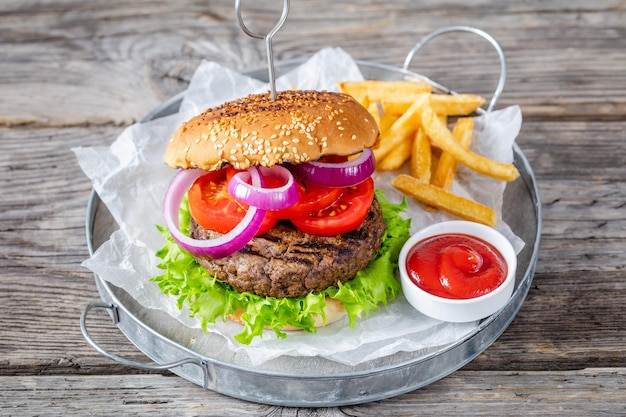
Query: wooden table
point(75, 73)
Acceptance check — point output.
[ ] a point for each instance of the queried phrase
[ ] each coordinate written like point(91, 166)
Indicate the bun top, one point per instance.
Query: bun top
point(298, 126)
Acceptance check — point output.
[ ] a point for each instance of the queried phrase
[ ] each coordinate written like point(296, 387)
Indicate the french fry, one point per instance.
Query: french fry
point(387, 120)
point(442, 138)
point(456, 104)
point(412, 121)
point(397, 157)
point(402, 128)
point(383, 119)
point(376, 110)
point(377, 90)
point(444, 104)
point(421, 157)
point(445, 200)
point(366, 102)
point(446, 167)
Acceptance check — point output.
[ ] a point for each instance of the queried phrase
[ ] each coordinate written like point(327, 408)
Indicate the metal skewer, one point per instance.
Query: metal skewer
point(268, 40)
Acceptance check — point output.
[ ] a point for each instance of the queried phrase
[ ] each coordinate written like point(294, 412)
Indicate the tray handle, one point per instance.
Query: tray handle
point(479, 32)
point(138, 365)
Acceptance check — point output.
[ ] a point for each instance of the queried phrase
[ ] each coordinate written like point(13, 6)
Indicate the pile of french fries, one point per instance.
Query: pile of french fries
point(413, 123)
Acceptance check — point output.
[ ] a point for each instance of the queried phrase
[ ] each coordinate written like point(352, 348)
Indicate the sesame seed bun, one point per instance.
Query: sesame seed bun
point(298, 126)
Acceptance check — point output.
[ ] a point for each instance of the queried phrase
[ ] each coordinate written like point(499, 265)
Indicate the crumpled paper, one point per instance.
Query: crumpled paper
point(131, 178)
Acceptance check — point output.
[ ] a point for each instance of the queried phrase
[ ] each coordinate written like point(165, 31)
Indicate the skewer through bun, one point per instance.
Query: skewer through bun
point(298, 126)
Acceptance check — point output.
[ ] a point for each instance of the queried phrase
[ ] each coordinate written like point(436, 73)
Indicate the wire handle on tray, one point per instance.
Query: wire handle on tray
point(485, 35)
point(268, 40)
point(138, 365)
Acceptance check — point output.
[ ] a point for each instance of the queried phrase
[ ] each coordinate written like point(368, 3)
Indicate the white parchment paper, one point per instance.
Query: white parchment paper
point(131, 178)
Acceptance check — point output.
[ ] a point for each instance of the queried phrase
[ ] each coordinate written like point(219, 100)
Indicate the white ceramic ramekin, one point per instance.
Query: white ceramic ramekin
point(460, 310)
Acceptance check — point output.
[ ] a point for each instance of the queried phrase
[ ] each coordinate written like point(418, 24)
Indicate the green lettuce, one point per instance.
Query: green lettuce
point(209, 299)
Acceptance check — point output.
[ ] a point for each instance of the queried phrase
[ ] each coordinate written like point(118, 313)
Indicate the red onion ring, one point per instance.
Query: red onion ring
point(341, 174)
point(278, 198)
point(223, 245)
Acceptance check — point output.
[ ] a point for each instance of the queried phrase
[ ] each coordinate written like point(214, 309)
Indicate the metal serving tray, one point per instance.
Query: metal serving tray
point(308, 381)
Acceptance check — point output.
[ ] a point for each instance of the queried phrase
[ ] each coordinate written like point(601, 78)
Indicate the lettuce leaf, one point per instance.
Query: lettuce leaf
point(209, 299)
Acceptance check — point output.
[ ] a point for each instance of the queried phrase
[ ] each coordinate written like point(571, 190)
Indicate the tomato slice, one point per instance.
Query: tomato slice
point(311, 199)
point(345, 215)
point(213, 208)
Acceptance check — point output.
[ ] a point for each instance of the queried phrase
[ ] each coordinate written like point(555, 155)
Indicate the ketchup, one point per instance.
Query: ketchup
point(456, 266)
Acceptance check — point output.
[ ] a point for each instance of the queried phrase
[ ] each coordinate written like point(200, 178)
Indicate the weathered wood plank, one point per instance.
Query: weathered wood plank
point(584, 392)
point(127, 59)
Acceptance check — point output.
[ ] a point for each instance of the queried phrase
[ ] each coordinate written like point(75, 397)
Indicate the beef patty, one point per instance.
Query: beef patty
point(286, 262)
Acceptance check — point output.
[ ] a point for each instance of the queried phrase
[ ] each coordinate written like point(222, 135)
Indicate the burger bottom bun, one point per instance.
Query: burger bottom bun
point(334, 311)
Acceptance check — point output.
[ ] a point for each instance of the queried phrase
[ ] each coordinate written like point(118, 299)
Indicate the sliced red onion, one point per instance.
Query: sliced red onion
point(340, 174)
point(278, 198)
point(223, 245)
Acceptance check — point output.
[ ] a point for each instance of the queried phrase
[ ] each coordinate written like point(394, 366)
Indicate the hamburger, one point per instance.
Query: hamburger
point(273, 220)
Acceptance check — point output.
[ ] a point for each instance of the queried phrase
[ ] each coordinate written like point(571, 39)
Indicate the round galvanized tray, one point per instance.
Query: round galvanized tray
point(308, 381)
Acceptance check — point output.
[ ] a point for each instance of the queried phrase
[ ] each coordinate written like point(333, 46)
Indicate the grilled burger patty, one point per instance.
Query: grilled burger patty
point(286, 262)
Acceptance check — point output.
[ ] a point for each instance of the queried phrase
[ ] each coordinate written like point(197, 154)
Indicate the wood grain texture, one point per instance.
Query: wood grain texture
point(584, 392)
point(75, 73)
